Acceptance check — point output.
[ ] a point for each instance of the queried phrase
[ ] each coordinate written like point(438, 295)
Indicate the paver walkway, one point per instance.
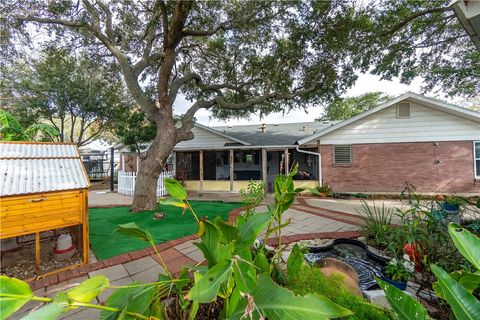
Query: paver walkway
point(307, 222)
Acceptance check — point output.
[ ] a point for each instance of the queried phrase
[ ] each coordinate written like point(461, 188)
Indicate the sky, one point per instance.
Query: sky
point(365, 83)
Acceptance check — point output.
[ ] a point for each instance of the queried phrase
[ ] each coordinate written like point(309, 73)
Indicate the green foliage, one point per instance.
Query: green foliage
point(345, 108)
point(253, 196)
point(132, 229)
point(467, 243)
point(175, 189)
point(89, 289)
point(378, 223)
point(404, 306)
point(12, 130)
point(79, 97)
point(11, 286)
point(134, 299)
point(52, 310)
point(324, 190)
point(271, 301)
point(400, 270)
point(305, 279)
point(463, 303)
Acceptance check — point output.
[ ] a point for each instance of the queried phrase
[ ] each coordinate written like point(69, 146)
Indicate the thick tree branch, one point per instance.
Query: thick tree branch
point(407, 20)
point(224, 26)
point(108, 22)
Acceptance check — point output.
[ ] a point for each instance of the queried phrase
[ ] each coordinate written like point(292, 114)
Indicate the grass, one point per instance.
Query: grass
point(106, 243)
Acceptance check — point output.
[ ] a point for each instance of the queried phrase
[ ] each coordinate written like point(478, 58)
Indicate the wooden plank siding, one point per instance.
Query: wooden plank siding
point(27, 214)
point(424, 124)
point(204, 139)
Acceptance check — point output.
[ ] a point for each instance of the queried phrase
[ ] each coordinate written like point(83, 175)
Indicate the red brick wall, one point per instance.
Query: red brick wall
point(384, 167)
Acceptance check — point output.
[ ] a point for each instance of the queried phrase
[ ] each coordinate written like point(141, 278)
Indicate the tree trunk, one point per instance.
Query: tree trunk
point(151, 166)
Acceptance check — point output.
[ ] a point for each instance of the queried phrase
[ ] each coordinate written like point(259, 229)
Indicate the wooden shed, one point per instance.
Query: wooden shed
point(43, 186)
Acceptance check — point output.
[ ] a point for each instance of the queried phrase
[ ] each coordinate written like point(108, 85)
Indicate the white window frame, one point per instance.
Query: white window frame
point(475, 158)
point(351, 154)
point(409, 111)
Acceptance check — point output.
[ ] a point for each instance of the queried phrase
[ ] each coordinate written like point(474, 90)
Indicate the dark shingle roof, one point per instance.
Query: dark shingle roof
point(274, 134)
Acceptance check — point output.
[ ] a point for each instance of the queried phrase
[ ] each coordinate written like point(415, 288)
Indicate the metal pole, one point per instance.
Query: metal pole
point(112, 164)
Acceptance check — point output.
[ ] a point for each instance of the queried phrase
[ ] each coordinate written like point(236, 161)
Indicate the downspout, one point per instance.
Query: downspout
point(319, 162)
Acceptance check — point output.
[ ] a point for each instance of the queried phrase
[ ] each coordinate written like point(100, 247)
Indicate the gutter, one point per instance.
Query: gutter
point(319, 162)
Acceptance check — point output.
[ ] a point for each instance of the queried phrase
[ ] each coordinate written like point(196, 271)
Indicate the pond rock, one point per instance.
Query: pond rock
point(332, 266)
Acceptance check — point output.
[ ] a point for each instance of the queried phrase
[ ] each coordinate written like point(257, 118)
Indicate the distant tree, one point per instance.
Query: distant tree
point(78, 96)
point(12, 130)
point(238, 57)
point(344, 108)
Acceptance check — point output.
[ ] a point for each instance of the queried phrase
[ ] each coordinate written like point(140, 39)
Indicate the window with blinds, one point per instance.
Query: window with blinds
point(342, 154)
point(403, 110)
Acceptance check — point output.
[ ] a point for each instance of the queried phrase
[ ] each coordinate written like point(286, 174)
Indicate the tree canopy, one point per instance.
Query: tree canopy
point(78, 96)
point(344, 108)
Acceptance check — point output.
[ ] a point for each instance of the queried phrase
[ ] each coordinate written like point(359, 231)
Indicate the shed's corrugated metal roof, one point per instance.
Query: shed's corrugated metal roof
point(39, 150)
point(32, 168)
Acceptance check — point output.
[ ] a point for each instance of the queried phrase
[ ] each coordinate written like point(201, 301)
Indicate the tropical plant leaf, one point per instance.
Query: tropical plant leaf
point(261, 262)
point(404, 306)
point(229, 232)
point(133, 299)
point(467, 243)
point(47, 129)
point(170, 201)
point(275, 302)
point(175, 189)
point(132, 229)
point(52, 310)
point(89, 289)
point(207, 286)
point(9, 305)
point(10, 128)
point(464, 304)
point(252, 227)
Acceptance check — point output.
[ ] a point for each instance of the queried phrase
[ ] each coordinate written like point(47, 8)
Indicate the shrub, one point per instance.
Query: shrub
point(377, 226)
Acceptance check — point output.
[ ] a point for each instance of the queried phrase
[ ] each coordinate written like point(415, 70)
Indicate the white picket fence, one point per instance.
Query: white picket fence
point(126, 182)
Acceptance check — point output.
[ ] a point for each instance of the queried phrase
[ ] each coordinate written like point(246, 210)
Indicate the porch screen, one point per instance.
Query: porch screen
point(188, 165)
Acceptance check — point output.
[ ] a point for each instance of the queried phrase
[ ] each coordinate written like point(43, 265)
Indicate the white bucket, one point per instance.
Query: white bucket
point(64, 242)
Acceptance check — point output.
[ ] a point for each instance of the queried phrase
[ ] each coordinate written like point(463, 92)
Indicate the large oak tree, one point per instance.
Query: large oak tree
point(239, 57)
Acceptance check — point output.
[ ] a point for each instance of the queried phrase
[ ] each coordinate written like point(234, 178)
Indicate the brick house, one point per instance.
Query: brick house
point(425, 142)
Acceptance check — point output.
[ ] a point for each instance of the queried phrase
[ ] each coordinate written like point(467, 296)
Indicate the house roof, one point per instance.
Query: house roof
point(27, 168)
point(409, 96)
point(468, 14)
point(285, 134)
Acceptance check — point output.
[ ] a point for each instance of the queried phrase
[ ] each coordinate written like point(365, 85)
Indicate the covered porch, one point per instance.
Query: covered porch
point(231, 169)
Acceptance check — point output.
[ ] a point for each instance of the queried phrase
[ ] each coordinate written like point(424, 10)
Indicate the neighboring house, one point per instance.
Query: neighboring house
point(425, 142)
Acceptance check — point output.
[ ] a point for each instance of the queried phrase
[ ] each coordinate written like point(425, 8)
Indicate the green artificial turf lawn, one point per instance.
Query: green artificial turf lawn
point(103, 221)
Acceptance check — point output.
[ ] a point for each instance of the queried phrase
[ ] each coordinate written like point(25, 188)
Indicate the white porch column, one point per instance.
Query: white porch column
point(231, 160)
point(264, 168)
point(286, 162)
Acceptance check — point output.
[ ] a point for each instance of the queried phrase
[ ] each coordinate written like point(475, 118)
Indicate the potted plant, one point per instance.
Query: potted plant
point(451, 205)
point(397, 272)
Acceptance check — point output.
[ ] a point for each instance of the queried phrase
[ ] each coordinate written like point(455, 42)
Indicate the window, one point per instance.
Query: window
point(476, 155)
point(403, 110)
point(342, 154)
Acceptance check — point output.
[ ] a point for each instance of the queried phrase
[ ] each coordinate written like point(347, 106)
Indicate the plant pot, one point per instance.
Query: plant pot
point(450, 208)
point(398, 284)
